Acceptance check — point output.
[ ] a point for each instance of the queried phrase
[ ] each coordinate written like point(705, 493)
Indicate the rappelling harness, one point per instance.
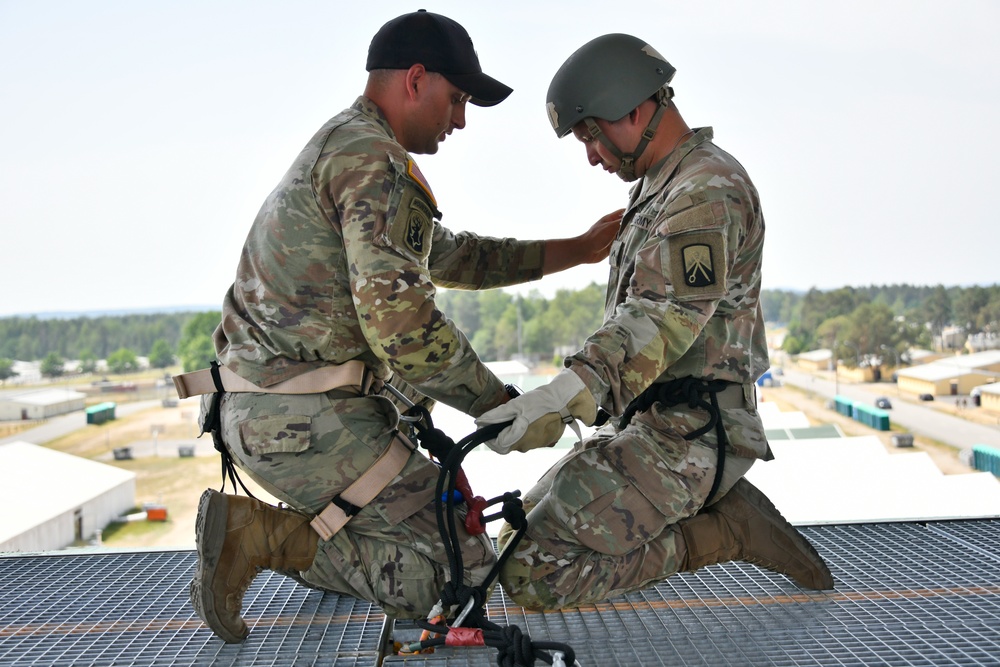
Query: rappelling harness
point(692, 391)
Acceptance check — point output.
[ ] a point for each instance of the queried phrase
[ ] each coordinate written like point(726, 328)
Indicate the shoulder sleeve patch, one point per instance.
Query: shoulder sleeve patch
point(411, 229)
point(698, 265)
point(696, 252)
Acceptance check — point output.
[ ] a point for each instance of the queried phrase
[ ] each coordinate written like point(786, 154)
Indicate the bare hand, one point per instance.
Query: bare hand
point(599, 237)
point(588, 248)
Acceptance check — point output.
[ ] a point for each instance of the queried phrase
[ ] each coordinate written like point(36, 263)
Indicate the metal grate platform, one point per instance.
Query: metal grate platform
point(132, 609)
point(907, 594)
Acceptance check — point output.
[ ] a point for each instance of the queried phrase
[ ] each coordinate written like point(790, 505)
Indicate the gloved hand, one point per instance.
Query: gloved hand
point(541, 415)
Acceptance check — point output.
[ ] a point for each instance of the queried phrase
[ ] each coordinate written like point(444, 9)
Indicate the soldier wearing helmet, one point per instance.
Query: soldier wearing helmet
point(661, 488)
point(606, 80)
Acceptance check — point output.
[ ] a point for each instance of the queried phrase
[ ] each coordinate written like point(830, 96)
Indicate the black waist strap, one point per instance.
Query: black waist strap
point(691, 391)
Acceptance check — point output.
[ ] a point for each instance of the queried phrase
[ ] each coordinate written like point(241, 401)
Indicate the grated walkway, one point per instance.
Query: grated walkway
point(907, 594)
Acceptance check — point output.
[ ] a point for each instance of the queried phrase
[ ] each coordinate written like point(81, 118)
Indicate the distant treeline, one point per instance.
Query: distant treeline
point(880, 319)
point(31, 338)
point(501, 324)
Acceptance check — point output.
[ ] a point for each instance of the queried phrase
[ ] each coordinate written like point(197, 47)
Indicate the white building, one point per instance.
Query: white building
point(40, 404)
point(48, 499)
point(954, 374)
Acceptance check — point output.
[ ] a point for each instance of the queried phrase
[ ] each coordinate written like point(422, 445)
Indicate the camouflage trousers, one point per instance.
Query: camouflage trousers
point(599, 520)
point(305, 449)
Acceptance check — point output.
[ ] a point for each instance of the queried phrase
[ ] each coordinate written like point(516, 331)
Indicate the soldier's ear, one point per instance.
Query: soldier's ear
point(414, 80)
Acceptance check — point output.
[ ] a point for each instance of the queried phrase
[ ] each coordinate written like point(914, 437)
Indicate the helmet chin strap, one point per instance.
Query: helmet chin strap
point(626, 170)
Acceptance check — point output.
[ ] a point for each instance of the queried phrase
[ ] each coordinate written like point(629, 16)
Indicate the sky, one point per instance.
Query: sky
point(138, 139)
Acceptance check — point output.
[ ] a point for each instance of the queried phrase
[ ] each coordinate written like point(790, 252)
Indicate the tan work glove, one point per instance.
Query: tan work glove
point(540, 416)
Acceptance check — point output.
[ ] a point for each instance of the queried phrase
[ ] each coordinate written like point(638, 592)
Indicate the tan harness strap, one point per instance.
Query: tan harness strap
point(738, 396)
point(350, 375)
point(364, 489)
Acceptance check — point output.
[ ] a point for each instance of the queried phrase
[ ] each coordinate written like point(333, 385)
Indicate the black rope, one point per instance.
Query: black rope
point(515, 649)
point(687, 390)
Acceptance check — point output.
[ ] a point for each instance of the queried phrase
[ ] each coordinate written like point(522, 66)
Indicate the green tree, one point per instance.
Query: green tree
point(88, 361)
point(833, 331)
point(870, 327)
point(570, 318)
point(492, 306)
point(198, 353)
point(6, 369)
point(817, 307)
point(196, 349)
point(161, 355)
point(505, 333)
point(123, 360)
point(988, 318)
point(936, 309)
point(462, 307)
point(968, 305)
point(52, 365)
point(792, 345)
point(780, 306)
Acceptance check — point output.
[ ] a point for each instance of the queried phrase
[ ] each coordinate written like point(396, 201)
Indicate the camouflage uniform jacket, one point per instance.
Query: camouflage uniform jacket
point(684, 292)
point(341, 263)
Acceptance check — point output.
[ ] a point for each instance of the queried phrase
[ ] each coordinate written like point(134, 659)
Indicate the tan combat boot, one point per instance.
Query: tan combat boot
point(237, 537)
point(746, 526)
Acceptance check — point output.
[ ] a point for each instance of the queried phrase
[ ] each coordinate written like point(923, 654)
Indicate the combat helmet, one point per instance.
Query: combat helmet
point(607, 78)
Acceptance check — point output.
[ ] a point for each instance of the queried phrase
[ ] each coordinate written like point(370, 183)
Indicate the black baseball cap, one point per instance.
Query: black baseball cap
point(439, 44)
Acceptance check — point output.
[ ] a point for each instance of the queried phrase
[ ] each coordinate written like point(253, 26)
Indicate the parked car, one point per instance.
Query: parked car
point(883, 403)
point(926, 397)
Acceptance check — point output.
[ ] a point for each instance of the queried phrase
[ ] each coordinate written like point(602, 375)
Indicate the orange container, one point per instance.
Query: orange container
point(156, 514)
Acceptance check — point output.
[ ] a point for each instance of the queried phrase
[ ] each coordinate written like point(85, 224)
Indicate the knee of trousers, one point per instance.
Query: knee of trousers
point(535, 579)
point(516, 581)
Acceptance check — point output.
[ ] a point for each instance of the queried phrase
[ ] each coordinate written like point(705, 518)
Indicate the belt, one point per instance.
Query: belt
point(350, 375)
point(364, 489)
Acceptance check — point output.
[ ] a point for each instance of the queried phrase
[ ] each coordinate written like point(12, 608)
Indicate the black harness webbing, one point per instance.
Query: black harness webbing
point(687, 390)
point(213, 425)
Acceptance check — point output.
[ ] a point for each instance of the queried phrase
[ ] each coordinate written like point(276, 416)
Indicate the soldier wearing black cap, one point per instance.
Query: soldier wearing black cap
point(337, 274)
point(440, 45)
